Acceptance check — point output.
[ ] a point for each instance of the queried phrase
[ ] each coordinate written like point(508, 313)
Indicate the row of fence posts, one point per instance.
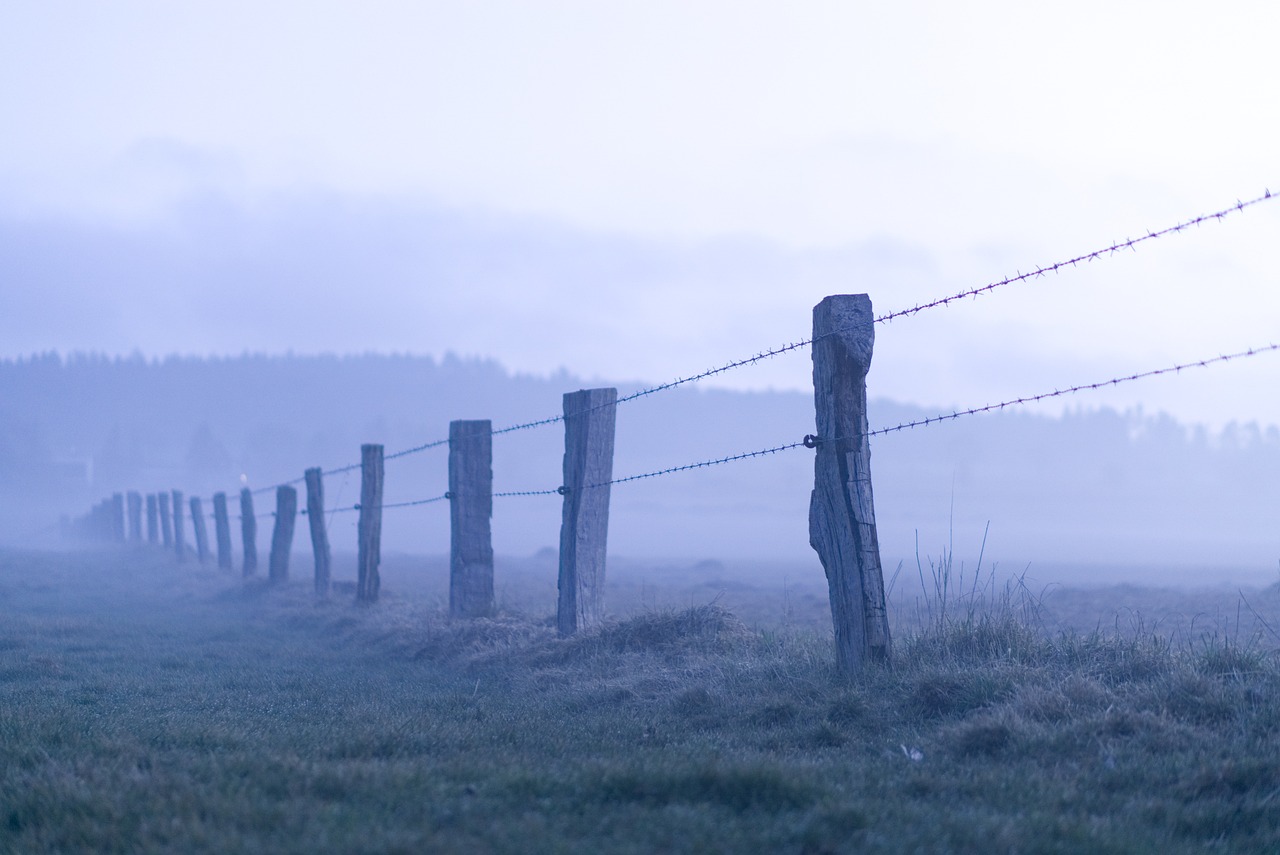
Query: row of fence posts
point(842, 528)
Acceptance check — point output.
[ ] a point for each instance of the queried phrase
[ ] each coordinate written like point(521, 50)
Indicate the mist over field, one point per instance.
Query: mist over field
point(1095, 496)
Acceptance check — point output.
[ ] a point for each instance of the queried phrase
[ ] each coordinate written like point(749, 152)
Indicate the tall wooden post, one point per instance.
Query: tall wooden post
point(166, 525)
point(153, 522)
point(470, 511)
point(369, 554)
point(319, 537)
point(134, 501)
point(117, 518)
point(248, 532)
point(589, 418)
point(179, 537)
point(222, 530)
point(842, 518)
point(201, 529)
point(282, 534)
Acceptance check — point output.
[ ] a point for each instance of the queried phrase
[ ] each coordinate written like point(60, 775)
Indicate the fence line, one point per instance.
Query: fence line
point(842, 518)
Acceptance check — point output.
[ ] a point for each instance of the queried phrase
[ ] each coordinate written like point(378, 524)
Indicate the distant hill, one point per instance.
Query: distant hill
point(1091, 487)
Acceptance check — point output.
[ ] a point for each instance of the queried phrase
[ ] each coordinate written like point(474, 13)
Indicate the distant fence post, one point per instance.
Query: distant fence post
point(153, 523)
point(201, 530)
point(370, 526)
point(842, 519)
point(134, 500)
point(179, 538)
point(222, 530)
point(117, 518)
point(470, 511)
point(282, 534)
point(248, 532)
point(99, 525)
point(319, 537)
point(166, 525)
point(589, 419)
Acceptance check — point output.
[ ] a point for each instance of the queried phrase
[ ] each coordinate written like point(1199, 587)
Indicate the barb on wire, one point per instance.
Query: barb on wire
point(1129, 243)
point(527, 493)
point(700, 465)
point(389, 505)
point(1070, 390)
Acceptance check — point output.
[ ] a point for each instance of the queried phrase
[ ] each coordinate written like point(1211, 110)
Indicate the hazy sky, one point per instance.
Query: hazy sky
point(641, 190)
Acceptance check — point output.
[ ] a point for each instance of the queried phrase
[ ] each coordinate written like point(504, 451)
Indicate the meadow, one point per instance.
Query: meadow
point(149, 706)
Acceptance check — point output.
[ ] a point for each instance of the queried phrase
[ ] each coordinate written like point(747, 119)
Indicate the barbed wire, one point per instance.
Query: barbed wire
point(1056, 267)
point(1129, 243)
point(699, 465)
point(1071, 390)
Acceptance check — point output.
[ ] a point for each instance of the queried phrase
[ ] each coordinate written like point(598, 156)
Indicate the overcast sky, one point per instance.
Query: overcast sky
point(642, 190)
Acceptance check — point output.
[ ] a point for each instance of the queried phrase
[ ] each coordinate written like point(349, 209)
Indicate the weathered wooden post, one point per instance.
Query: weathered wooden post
point(166, 525)
point(222, 530)
point(319, 537)
point(153, 523)
point(249, 532)
point(470, 510)
point(117, 518)
point(370, 526)
point(842, 518)
point(134, 500)
point(201, 530)
point(179, 538)
point(282, 534)
point(589, 418)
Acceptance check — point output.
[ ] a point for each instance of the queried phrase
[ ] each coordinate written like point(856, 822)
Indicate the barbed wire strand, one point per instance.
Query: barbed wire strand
point(1071, 390)
point(1130, 243)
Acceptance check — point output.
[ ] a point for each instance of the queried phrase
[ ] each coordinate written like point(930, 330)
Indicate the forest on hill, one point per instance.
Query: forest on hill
point(1091, 487)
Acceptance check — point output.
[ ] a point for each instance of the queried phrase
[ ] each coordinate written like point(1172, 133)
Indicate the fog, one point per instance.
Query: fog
point(525, 199)
point(1094, 496)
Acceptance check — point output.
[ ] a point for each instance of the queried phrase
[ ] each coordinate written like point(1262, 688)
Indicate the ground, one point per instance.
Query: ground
point(150, 706)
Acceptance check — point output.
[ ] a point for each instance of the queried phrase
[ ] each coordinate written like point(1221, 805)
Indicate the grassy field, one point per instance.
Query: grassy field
point(153, 707)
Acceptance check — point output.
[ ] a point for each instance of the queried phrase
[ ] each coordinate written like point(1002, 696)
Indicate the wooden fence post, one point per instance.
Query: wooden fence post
point(179, 538)
point(589, 418)
point(370, 526)
point(470, 511)
point(248, 532)
point(201, 530)
point(153, 522)
point(282, 534)
point(166, 525)
point(319, 537)
point(842, 518)
point(117, 518)
point(134, 500)
point(222, 530)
